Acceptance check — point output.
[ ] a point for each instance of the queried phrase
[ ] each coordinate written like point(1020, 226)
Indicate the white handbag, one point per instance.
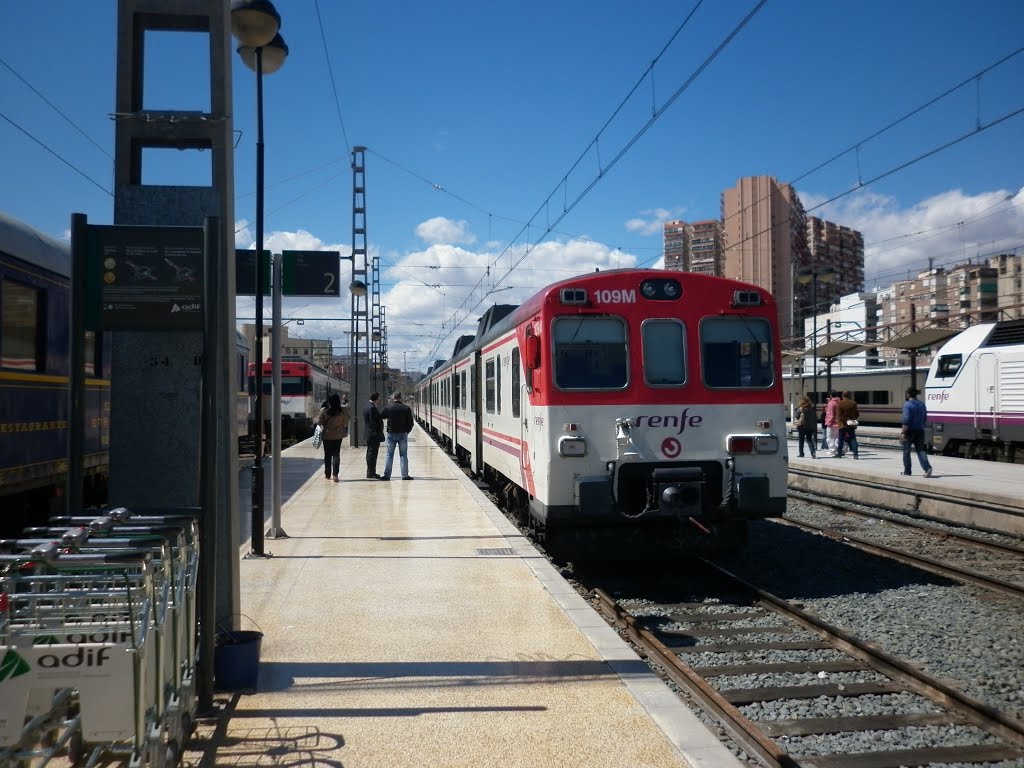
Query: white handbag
point(318, 436)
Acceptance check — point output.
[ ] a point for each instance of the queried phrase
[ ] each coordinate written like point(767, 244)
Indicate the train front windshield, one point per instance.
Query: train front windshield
point(590, 353)
point(291, 386)
point(737, 352)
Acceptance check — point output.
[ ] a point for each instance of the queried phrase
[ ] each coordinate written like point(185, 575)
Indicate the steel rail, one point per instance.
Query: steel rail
point(919, 561)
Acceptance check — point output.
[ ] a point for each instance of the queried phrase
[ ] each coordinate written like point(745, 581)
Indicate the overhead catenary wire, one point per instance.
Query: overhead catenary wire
point(602, 171)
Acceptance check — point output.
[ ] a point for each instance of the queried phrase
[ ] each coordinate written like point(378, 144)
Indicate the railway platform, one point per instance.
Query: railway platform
point(986, 494)
point(408, 623)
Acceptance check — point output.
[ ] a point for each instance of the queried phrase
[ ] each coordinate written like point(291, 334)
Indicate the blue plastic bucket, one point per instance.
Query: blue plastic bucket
point(236, 660)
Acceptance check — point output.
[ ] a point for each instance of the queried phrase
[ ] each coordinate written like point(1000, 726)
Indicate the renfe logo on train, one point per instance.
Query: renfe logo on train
point(682, 421)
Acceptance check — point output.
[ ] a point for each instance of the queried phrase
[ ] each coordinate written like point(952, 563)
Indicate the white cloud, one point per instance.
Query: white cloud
point(652, 222)
point(948, 228)
point(442, 230)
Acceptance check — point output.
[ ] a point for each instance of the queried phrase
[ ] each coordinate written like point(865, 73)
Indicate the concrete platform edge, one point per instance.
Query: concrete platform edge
point(690, 737)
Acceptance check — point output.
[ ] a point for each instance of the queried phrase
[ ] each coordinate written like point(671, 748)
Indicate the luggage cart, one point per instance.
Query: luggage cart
point(75, 629)
point(182, 526)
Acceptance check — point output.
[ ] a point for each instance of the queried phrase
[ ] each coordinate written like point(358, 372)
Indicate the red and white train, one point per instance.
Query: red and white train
point(304, 387)
point(623, 408)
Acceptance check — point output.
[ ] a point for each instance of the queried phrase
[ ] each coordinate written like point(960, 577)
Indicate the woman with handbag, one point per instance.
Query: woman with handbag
point(806, 424)
point(847, 414)
point(333, 419)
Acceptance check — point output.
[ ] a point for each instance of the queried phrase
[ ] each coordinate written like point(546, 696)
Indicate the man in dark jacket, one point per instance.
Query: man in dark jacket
point(374, 424)
point(399, 417)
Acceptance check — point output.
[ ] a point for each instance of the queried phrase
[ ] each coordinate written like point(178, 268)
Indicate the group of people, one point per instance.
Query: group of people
point(840, 420)
point(334, 421)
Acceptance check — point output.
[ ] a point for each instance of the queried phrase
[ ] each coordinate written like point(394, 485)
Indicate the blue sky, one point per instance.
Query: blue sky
point(496, 103)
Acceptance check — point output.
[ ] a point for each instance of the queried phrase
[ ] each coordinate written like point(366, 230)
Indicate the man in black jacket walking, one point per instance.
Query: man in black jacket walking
point(399, 417)
point(374, 424)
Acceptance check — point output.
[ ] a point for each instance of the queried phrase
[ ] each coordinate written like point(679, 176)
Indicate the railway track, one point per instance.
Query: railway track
point(792, 690)
point(995, 563)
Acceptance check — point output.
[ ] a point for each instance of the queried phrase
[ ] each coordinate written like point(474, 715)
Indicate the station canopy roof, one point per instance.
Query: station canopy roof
point(830, 349)
point(925, 337)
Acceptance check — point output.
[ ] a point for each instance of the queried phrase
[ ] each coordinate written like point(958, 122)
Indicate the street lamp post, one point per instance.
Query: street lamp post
point(255, 23)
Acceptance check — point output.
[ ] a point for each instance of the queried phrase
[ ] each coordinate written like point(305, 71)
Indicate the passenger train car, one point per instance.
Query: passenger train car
point(34, 368)
point(878, 392)
point(975, 394)
point(624, 411)
point(304, 387)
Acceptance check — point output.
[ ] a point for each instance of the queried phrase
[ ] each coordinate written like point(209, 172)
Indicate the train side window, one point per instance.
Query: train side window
point(861, 397)
point(515, 383)
point(21, 332)
point(880, 397)
point(948, 366)
point(664, 353)
point(489, 386)
point(497, 385)
point(462, 389)
point(737, 352)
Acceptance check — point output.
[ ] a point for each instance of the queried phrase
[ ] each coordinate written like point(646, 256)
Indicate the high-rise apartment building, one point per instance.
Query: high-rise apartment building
point(764, 241)
point(695, 247)
point(677, 240)
point(1010, 272)
point(840, 248)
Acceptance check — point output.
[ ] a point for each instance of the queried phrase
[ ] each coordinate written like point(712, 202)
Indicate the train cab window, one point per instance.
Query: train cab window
point(664, 353)
point(20, 333)
point(948, 366)
point(590, 353)
point(737, 352)
point(489, 385)
point(515, 383)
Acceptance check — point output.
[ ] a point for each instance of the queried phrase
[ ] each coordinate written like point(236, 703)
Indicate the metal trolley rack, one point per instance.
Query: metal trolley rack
point(98, 636)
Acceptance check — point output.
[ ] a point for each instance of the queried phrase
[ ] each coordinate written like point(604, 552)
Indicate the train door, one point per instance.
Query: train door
point(985, 395)
point(478, 419)
point(521, 410)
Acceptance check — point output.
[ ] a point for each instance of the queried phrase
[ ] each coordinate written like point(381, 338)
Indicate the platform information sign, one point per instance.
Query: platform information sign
point(310, 273)
point(245, 272)
point(144, 278)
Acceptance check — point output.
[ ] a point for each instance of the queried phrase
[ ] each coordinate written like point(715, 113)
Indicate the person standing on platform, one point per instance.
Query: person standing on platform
point(374, 424)
point(399, 418)
point(847, 414)
point(915, 416)
point(806, 425)
point(334, 418)
point(831, 436)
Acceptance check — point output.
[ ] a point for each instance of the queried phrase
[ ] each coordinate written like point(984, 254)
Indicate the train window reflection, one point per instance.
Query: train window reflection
point(664, 353)
point(948, 366)
point(19, 341)
point(590, 353)
point(737, 352)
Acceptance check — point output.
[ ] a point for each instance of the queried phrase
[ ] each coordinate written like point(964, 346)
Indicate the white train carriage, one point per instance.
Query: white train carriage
point(975, 393)
point(878, 392)
point(623, 407)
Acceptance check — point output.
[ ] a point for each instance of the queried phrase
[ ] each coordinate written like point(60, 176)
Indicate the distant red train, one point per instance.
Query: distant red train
point(304, 387)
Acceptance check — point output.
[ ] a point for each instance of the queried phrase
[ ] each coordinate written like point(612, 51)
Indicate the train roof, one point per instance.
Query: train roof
point(19, 239)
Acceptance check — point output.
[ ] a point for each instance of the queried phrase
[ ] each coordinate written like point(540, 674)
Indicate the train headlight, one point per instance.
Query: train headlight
point(747, 444)
point(572, 446)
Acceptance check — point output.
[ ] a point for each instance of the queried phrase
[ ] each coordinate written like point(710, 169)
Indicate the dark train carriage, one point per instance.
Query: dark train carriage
point(34, 355)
